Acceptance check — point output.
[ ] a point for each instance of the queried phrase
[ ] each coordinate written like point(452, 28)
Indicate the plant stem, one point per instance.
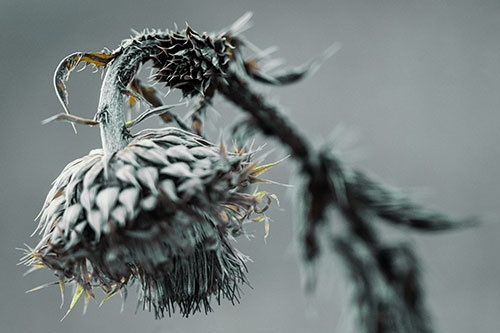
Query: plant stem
point(110, 114)
point(114, 134)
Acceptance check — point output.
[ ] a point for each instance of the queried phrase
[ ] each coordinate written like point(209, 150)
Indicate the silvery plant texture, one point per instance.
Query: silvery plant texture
point(160, 208)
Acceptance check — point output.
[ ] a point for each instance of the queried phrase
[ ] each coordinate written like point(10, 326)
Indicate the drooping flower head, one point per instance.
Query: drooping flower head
point(160, 212)
point(158, 208)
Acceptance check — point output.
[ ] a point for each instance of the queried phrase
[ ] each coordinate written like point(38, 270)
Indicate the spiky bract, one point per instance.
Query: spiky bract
point(161, 211)
point(184, 59)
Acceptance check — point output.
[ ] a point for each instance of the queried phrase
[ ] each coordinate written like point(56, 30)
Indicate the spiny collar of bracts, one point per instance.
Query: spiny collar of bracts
point(162, 212)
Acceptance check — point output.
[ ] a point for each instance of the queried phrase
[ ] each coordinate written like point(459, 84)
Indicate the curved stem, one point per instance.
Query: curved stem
point(114, 133)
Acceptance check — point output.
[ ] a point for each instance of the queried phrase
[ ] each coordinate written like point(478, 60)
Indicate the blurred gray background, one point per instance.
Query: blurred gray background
point(417, 81)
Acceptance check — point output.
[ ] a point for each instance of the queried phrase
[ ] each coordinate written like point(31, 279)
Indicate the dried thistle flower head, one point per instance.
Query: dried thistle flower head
point(158, 208)
point(190, 61)
point(160, 212)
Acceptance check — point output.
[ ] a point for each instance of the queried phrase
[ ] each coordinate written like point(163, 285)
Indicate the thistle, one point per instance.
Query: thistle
point(158, 208)
point(161, 211)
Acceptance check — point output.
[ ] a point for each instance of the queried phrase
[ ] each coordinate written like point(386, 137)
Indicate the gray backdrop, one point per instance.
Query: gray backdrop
point(417, 81)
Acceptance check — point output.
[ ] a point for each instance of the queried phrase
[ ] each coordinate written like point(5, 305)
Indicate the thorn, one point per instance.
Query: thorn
point(61, 287)
point(76, 296)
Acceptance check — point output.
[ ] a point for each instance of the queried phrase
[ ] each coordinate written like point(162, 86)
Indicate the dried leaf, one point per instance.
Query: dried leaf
point(275, 197)
point(70, 118)
point(259, 218)
point(97, 59)
point(260, 195)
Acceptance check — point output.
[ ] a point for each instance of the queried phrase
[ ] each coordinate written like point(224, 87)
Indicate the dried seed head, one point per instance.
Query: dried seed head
point(190, 62)
point(185, 59)
point(160, 212)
